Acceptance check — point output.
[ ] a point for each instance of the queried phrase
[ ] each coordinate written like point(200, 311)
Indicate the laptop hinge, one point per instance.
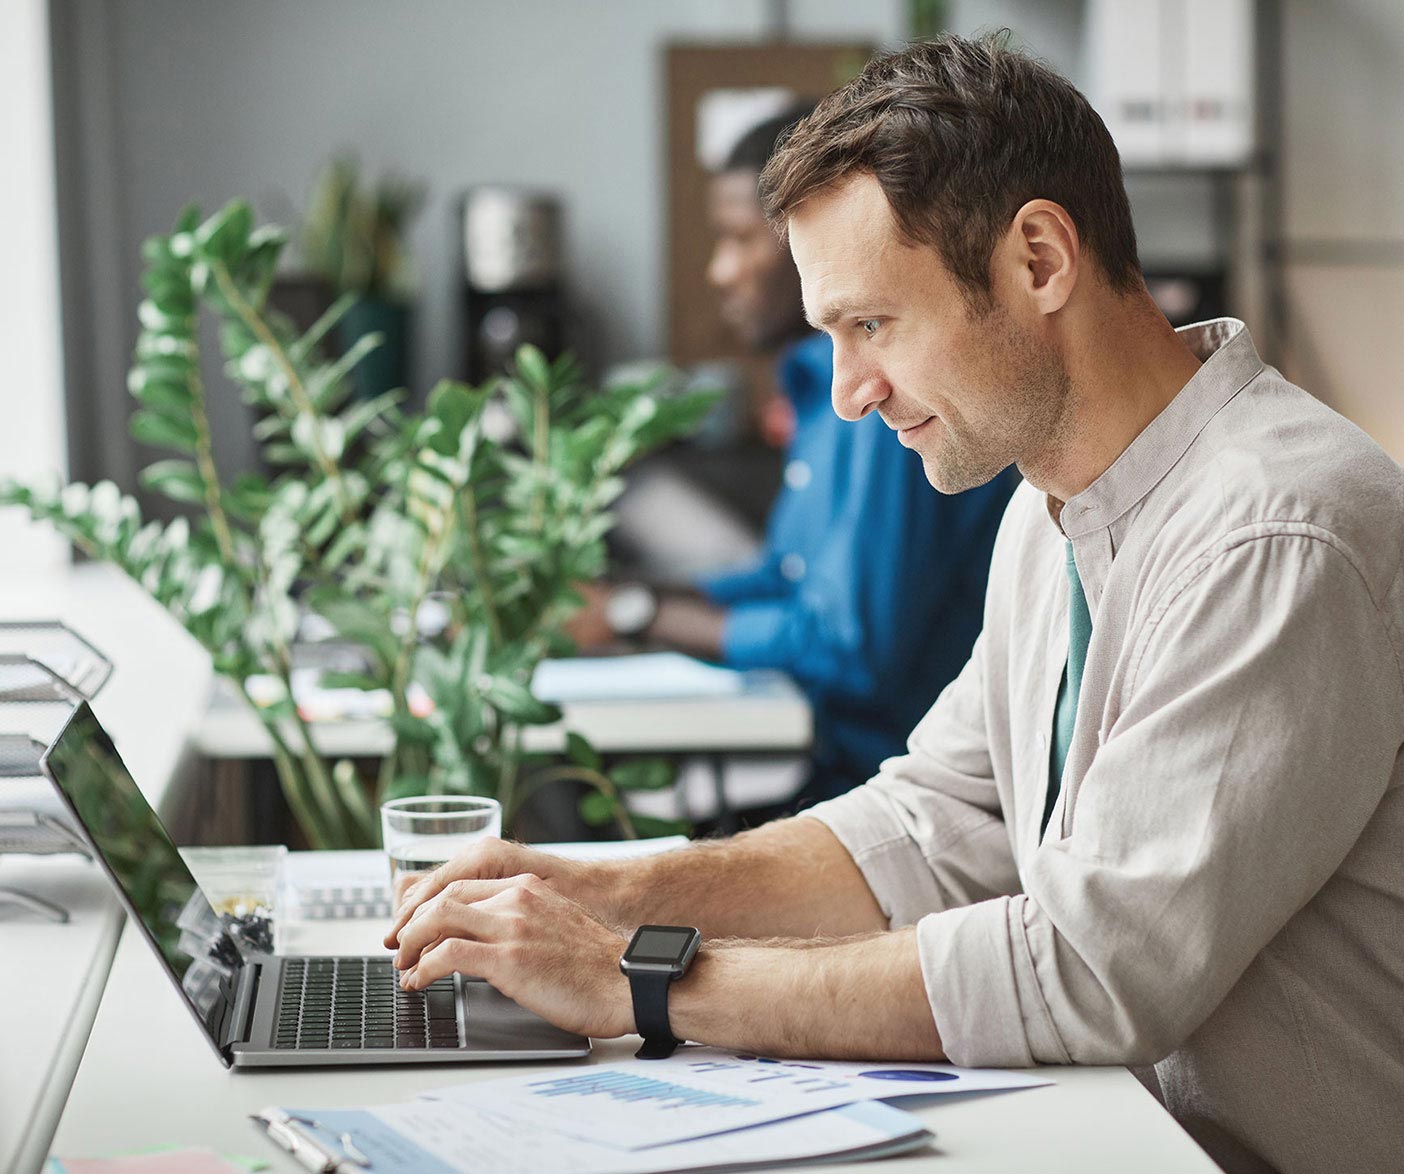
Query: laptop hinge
point(241, 1018)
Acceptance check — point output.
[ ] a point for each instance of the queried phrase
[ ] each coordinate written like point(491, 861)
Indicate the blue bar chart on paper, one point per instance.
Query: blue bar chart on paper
point(700, 1092)
point(622, 1086)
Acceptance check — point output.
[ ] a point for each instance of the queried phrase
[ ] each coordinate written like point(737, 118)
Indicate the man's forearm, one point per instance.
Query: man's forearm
point(791, 878)
point(862, 998)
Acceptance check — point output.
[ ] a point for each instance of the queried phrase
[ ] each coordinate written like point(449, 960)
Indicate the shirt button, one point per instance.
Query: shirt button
point(798, 474)
point(792, 567)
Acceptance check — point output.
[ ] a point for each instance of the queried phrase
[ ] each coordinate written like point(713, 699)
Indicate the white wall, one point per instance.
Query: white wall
point(31, 412)
point(175, 100)
point(1344, 176)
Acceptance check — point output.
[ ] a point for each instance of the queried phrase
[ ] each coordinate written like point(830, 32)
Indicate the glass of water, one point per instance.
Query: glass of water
point(423, 832)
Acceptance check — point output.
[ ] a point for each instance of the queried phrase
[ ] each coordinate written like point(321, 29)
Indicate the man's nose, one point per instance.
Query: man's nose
point(857, 390)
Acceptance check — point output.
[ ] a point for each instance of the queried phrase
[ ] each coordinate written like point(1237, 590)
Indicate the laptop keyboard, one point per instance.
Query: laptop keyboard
point(329, 1003)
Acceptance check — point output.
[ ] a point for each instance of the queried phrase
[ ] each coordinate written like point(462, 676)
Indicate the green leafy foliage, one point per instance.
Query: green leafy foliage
point(353, 235)
point(370, 513)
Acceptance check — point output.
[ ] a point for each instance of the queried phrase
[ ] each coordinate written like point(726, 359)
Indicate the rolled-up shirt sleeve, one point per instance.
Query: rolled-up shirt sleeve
point(926, 831)
point(1215, 807)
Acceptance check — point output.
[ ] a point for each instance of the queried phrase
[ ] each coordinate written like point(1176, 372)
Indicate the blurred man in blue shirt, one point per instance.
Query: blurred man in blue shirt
point(870, 585)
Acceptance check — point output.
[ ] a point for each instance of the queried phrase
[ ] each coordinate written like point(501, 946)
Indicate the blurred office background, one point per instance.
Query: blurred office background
point(1264, 152)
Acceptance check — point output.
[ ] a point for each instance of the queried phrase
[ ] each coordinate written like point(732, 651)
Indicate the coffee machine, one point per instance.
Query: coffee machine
point(512, 290)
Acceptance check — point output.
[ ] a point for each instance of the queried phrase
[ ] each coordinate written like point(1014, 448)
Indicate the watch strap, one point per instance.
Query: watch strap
point(650, 996)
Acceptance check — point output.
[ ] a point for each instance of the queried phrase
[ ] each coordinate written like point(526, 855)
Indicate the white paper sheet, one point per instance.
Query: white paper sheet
point(649, 675)
point(700, 1092)
point(613, 849)
point(437, 1137)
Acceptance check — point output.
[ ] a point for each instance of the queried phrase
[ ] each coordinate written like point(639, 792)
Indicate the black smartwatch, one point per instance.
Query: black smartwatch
point(658, 955)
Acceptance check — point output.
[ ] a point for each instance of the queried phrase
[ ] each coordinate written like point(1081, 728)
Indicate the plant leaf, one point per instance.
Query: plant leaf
point(163, 430)
point(643, 774)
point(648, 825)
point(515, 701)
point(178, 480)
point(533, 367)
point(579, 751)
point(597, 808)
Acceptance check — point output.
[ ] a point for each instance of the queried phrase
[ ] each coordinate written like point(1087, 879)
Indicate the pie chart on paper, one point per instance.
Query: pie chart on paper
point(907, 1074)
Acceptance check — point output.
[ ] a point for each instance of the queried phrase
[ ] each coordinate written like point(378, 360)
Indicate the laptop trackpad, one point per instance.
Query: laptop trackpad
point(494, 1022)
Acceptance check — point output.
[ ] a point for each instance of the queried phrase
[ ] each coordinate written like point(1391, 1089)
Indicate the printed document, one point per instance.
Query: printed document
point(441, 1137)
point(701, 1091)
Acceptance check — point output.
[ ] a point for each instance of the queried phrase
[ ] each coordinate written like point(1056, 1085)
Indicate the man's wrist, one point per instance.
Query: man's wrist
point(810, 998)
point(602, 889)
point(693, 1009)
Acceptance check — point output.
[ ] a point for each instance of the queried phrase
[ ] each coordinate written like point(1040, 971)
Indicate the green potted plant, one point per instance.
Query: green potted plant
point(370, 511)
point(352, 239)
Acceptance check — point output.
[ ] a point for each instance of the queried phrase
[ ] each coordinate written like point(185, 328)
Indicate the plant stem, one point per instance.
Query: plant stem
point(327, 796)
point(303, 402)
point(597, 779)
point(541, 453)
point(289, 774)
point(429, 563)
point(322, 790)
point(204, 460)
point(479, 560)
point(507, 775)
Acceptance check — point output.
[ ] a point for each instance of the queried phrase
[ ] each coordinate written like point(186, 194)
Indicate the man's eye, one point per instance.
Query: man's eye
point(868, 326)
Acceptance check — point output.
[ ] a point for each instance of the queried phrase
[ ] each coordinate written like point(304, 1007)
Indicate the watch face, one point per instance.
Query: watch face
point(665, 944)
point(630, 609)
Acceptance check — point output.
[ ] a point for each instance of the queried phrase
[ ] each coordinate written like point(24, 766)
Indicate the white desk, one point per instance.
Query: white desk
point(770, 714)
point(52, 976)
point(150, 1078)
point(770, 717)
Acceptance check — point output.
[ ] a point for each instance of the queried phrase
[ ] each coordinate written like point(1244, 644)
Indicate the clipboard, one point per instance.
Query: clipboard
point(346, 1141)
point(316, 1146)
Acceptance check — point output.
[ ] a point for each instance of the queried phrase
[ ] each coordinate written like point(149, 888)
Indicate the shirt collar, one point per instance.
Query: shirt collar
point(1230, 361)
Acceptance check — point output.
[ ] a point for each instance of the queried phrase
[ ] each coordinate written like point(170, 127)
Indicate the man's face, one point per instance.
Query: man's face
point(760, 291)
point(972, 390)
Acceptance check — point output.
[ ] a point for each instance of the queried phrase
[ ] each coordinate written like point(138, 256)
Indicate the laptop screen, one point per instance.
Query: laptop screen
point(153, 880)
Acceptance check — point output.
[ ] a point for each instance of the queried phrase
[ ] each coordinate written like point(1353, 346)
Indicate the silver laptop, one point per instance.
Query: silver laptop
point(264, 1009)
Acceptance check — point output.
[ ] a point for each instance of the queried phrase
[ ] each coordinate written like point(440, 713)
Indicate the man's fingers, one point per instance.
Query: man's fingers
point(448, 957)
point(414, 898)
point(409, 966)
point(439, 921)
point(465, 867)
point(453, 911)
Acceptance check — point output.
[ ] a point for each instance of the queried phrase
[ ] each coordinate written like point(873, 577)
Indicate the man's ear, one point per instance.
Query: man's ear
point(1044, 254)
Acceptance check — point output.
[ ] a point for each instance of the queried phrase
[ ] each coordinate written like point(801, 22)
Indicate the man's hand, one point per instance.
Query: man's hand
point(494, 859)
point(530, 942)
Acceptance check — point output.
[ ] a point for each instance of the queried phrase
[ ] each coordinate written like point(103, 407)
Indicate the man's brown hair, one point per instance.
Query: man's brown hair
point(961, 134)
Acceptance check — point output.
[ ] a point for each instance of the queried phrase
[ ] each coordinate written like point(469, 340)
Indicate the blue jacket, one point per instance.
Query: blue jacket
point(869, 589)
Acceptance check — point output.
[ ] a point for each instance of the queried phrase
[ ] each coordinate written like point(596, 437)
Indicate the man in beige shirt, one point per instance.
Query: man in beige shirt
point(1158, 818)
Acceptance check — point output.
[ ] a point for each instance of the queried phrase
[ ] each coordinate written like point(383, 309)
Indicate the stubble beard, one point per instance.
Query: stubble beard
point(1024, 415)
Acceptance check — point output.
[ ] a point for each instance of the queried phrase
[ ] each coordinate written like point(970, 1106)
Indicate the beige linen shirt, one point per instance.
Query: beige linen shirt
point(1221, 889)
